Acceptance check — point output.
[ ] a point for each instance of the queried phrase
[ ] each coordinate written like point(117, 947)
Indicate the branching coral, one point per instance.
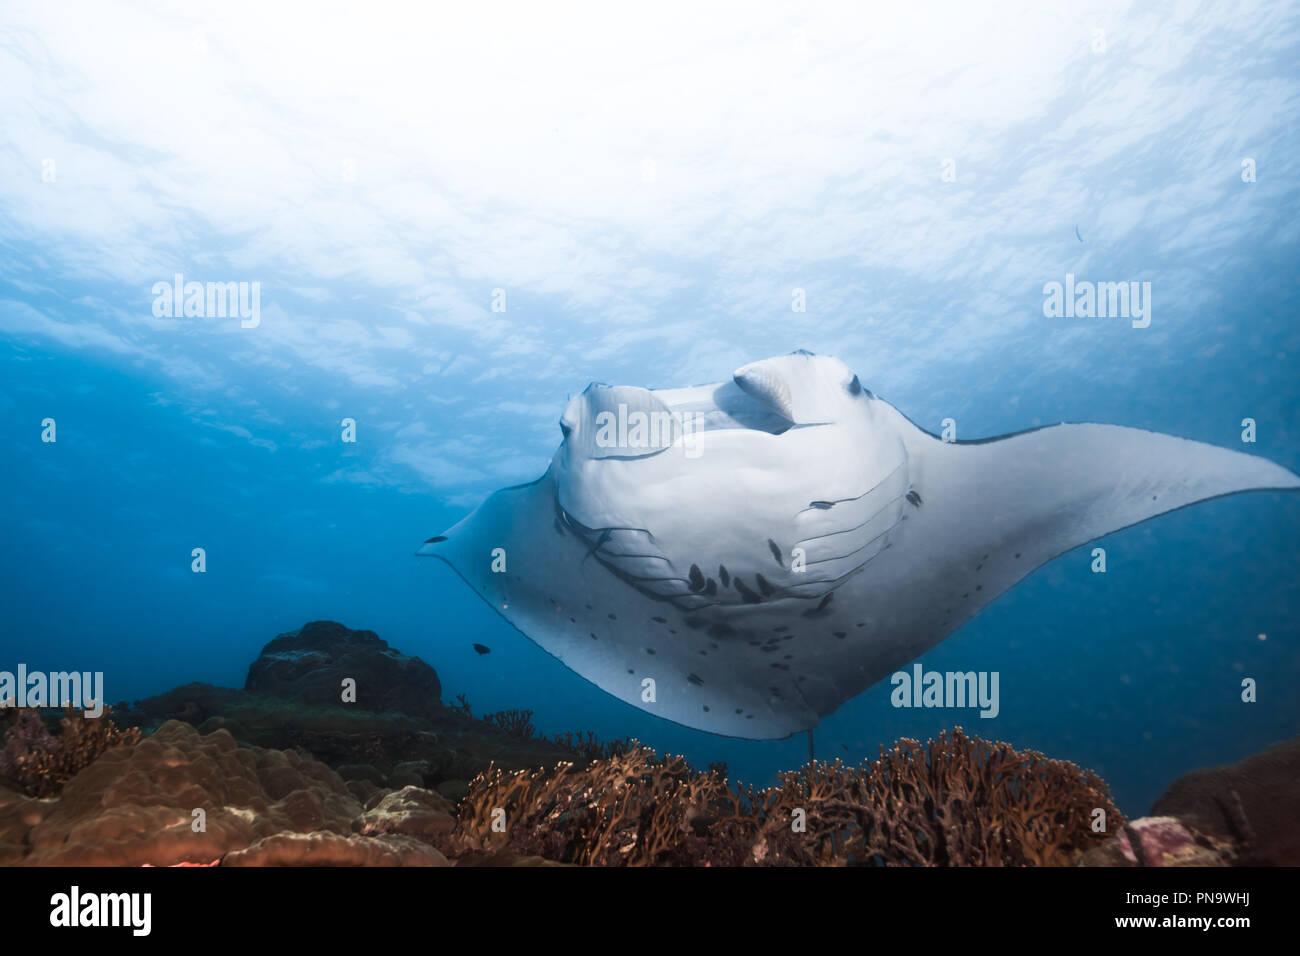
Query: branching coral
point(631, 809)
point(962, 801)
point(588, 748)
point(518, 723)
point(41, 763)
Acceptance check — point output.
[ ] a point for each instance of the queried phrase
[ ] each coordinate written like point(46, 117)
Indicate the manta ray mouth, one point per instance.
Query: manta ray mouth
point(634, 556)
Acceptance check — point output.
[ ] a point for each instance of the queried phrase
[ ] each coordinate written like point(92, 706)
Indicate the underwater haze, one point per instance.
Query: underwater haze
point(438, 225)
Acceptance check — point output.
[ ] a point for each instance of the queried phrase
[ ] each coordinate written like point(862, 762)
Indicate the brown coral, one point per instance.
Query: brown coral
point(634, 809)
point(42, 770)
point(136, 804)
point(141, 804)
point(962, 801)
point(518, 723)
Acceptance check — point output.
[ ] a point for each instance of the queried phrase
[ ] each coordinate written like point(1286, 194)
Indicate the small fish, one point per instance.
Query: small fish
point(482, 648)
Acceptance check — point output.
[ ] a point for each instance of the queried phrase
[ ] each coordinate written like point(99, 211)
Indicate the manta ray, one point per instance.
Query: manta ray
point(744, 557)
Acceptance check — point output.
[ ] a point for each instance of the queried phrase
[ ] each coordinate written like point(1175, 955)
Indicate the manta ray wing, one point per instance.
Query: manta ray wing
point(989, 513)
point(788, 569)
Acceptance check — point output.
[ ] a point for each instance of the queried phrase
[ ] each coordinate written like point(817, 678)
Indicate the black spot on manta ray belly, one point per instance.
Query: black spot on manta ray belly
point(695, 679)
point(763, 586)
point(776, 553)
point(659, 620)
point(711, 588)
point(726, 578)
point(914, 498)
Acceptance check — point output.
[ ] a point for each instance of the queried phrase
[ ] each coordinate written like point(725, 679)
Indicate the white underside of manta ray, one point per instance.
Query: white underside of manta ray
point(766, 548)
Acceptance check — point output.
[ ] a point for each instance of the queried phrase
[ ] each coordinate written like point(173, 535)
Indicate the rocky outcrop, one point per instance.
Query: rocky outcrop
point(389, 750)
point(396, 734)
point(310, 665)
point(1241, 815)
point(1254, 804)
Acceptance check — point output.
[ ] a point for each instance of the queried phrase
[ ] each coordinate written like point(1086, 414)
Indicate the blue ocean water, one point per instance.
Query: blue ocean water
point(445, 262)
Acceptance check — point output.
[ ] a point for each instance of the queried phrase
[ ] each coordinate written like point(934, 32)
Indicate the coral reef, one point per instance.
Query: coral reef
point(630, 809)
point(959, 801)
point(386, 750)
point(293, 701)
point(182, 797)
point(40, 763)
point(397, 733)
point(286, 774)
point(519, 723)
point(588, 748)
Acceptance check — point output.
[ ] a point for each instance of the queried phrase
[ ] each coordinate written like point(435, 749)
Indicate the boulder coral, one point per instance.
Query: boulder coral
point(182, 797)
